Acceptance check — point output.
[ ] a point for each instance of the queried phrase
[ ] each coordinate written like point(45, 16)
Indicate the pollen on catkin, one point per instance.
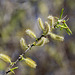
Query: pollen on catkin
point(30, 62)
point(56, 37)
point(47, 27)
point(30, 33)
point(51, 19)
point(41, 23)
point(42, 41)
point(23, 43)
point(6, 58)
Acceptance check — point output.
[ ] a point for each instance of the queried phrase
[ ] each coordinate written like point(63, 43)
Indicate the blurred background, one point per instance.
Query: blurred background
point(55, 58)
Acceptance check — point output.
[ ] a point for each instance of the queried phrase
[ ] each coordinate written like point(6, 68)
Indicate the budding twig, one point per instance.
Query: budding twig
point(47, 30)
point(20, 57)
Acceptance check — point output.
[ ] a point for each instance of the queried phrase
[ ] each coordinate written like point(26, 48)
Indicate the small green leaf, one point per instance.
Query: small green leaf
point(61, 29)
point(67, 29)
point(61, 13)
point(12, 70)
point(62, 26)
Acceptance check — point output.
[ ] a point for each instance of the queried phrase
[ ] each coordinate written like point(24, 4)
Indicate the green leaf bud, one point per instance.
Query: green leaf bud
point(12, 70)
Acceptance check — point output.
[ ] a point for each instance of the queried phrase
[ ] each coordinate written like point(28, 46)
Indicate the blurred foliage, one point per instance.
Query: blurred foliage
point(12, 26)
point(18, 15)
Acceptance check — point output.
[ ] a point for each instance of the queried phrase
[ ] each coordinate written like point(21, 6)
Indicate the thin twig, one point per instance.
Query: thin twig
point(20, 57)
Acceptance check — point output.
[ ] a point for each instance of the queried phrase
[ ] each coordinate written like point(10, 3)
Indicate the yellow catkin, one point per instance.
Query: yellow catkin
point(47, 27)
point(51, 18)
point(23, 43)
point(42, 41)
point(30, 33)
point(6, 58)
point(30, 62)
point(56, 37)
point(41, 23)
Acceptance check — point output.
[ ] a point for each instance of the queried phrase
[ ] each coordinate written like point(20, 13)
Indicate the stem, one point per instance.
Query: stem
point(20, 57)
